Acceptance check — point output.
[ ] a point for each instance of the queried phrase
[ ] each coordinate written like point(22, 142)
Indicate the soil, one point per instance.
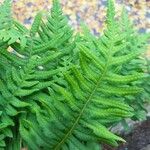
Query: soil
point(138, 139)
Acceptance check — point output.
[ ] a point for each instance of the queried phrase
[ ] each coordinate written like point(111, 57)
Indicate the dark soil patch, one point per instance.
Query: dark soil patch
point(137, 139)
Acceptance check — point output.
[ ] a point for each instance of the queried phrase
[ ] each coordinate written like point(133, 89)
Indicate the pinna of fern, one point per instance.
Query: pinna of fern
point(45, 104)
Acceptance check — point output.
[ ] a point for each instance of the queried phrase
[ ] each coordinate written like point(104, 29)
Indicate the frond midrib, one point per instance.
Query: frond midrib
point(57, 147)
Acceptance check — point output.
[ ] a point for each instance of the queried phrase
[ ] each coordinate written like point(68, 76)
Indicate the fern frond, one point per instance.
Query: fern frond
point(136, 41)
point(87, 95)
point(8, 33)
point(56, 29)
point(5, 15)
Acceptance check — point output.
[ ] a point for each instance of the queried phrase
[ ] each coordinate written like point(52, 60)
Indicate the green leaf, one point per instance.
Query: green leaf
point(36, 23)
point(2, 144)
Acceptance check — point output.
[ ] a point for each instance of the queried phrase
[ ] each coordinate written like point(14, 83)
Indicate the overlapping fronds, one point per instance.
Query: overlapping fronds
point(91, 93)
point(5, 15)
point(89, 100)
point(9, 33)
point(136, 41)
point(22, 77)
point(56, 96)
point(51, 33)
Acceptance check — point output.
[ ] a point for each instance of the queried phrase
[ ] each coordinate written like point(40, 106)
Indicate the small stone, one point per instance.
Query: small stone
point(29, 4)
point(146, 148)
point(27, 21)
point(142, 30)
point(148, 14)
point(104, 2)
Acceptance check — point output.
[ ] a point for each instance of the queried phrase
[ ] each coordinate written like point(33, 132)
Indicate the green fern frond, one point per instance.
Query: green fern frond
point(135, 41)
point(5, 15)
point(55, 27)
point(8, 33)
point(87, 98)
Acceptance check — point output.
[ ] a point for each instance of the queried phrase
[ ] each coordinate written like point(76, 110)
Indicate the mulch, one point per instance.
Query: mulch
point(137, 139)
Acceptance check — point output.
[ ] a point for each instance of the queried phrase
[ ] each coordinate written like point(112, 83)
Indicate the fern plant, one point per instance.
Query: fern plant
point(132, 41)
point(60, 91)
point(138, 41)
point(8, 31)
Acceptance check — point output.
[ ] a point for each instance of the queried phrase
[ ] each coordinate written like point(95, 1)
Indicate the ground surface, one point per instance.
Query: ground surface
point(92, 12)
point(138, 139)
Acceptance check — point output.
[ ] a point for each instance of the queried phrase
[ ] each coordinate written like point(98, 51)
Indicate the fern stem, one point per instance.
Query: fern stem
point(57, 147)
